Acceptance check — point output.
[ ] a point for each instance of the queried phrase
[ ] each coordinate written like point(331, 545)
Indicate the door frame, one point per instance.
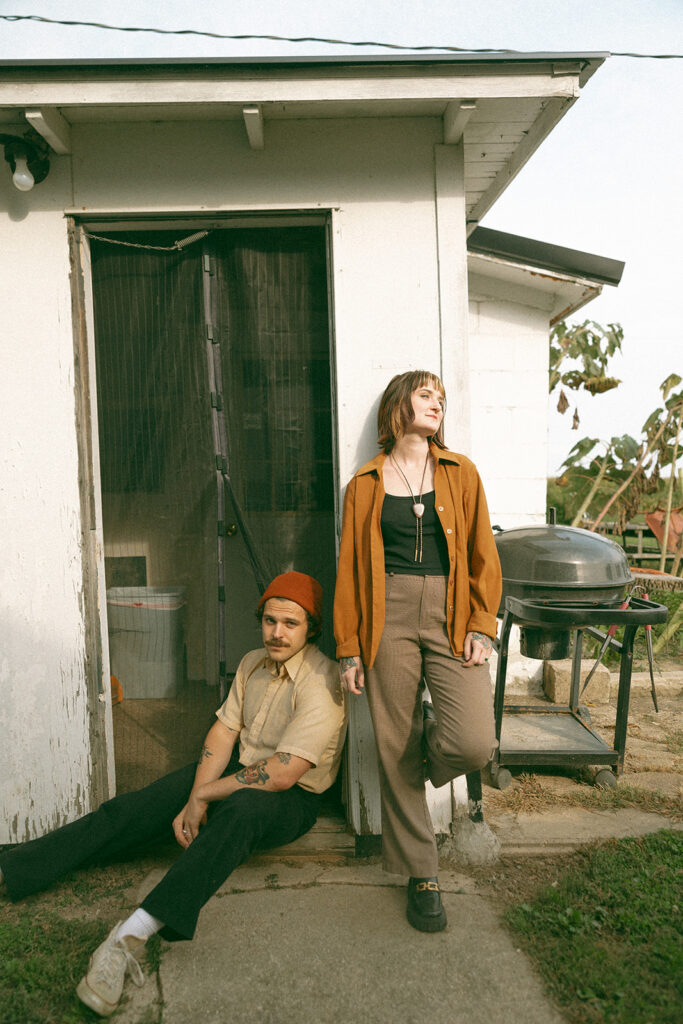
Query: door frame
point(98, 671)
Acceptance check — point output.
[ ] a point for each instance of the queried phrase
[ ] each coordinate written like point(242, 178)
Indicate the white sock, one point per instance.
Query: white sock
point(140, 925)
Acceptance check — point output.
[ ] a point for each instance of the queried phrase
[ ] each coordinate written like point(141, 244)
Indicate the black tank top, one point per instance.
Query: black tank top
point(398, 533)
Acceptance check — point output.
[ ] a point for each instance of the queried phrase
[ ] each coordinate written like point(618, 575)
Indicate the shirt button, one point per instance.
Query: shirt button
point(452, 558)
point(440, 508)
point(450, 607)
point(449, 531)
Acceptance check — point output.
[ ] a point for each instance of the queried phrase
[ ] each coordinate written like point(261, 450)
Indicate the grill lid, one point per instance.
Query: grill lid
point(563, 557)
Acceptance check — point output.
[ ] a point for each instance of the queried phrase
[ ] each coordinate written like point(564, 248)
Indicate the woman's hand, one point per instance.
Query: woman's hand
point(187, 824)
point(352, 674)
point(477, 649)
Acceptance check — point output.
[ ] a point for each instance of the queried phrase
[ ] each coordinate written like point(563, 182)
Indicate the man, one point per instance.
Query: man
point(287, 711)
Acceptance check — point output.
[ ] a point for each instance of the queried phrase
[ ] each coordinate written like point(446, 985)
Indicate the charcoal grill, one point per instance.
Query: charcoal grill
point(560, 583)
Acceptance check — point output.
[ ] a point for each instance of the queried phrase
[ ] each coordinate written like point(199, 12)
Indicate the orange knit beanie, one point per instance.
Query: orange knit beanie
point(297, 586)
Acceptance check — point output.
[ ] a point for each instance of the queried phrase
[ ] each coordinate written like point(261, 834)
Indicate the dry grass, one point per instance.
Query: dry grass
point(529, 794)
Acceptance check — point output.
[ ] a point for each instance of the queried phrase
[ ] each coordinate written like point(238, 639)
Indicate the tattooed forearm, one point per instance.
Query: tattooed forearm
point(483, 639)
point(345, 663)
point(205, 752)
point(253, 774)
point(283, 757)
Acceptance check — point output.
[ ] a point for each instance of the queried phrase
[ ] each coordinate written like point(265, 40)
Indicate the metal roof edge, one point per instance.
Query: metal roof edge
point(545, 255)
point(510, 57)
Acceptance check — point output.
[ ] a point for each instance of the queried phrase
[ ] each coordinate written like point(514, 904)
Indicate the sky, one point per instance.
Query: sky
point(608, 179)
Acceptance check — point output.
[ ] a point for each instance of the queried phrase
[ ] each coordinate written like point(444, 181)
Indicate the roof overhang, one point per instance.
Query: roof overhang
point(549, 257)
point(549, 277)
point(500, 106)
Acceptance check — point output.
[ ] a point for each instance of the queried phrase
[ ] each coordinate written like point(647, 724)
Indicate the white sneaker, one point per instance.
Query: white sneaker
point(102, 986)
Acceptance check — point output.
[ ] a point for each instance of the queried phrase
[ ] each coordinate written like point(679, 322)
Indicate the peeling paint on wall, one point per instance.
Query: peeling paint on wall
point(44, 757)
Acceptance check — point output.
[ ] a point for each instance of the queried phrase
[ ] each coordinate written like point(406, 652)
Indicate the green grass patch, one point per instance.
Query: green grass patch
point(46, 941)
point(606, 937)
point(43, 958)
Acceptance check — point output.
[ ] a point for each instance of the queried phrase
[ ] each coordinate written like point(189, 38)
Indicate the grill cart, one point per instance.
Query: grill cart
point(561, 582)
point(555, 734)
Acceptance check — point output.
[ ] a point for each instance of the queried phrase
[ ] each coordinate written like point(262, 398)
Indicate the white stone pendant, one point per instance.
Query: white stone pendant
point(419, 509)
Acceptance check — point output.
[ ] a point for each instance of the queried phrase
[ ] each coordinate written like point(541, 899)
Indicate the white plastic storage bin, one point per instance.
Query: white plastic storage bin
point(146, 639)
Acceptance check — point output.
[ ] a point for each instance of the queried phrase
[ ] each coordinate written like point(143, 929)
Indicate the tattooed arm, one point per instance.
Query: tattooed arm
point(281, 771)
point(212, 762)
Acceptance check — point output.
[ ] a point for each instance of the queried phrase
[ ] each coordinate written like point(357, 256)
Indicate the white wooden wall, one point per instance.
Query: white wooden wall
point(45, 756)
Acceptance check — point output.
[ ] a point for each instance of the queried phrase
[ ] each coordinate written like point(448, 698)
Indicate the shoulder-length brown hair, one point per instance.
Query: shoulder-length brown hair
point(396, 411)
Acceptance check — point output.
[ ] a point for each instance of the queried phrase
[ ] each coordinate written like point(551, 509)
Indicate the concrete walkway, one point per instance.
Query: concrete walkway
point(306, 942)
point(316, 944)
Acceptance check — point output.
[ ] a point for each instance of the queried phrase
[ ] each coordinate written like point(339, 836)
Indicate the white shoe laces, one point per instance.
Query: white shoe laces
point(113, 958)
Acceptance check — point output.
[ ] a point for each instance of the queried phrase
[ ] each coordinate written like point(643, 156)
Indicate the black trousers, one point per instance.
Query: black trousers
point(247, 820)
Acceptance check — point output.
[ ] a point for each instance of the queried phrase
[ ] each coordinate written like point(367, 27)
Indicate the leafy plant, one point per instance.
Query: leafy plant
point(621, 473)
point(658, 449)
point(588, 347)
point(613, 462)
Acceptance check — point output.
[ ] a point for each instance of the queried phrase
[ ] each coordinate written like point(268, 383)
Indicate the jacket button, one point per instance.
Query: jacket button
point(452, 558)
point(449, 531)
point(450, 607)
point(440, 508)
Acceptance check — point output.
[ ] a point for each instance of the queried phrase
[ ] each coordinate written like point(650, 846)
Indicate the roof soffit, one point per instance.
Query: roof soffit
point(510, 106)
point(558, 294)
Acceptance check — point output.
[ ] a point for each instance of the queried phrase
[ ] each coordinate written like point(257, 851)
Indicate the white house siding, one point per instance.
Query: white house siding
point(44, 721)
point(378, 179)
point(509, 387)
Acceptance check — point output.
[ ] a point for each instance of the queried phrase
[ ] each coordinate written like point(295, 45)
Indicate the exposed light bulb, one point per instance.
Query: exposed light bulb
point(22, 177)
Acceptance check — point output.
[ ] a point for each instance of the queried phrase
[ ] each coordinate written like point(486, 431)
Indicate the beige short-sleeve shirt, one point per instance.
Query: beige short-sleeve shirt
point(296, 708)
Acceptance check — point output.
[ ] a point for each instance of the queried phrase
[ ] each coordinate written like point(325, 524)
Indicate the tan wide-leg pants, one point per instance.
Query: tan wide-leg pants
point(414, 646)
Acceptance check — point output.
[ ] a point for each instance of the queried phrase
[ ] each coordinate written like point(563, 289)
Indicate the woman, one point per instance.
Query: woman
point(418, 588)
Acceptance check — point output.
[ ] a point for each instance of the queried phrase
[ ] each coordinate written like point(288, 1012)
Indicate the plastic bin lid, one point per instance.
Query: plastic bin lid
point(155, 598)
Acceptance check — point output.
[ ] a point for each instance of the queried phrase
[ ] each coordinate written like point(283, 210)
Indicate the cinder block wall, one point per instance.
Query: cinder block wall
point(509, 374)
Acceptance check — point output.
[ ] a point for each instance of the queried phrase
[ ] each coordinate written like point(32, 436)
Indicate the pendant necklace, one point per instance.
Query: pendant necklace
point(418, 507)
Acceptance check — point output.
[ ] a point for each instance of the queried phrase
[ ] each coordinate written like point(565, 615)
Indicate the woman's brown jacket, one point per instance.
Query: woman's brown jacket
point(474, 582)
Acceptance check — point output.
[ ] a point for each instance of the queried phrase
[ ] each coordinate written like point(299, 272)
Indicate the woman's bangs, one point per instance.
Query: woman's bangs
point(430, 380)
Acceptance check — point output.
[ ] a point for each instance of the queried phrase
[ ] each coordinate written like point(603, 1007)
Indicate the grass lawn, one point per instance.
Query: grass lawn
point(46, 942)
point(605, 935)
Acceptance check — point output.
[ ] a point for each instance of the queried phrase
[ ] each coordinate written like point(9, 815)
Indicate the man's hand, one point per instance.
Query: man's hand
point(352, 674)
point(476, 649)
point(187, 824)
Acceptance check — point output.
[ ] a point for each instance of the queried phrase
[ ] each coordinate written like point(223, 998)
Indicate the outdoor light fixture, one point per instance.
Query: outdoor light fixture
point(28, 159)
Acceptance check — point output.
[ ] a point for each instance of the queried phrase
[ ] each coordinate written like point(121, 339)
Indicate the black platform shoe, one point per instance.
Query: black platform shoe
point(425, 911)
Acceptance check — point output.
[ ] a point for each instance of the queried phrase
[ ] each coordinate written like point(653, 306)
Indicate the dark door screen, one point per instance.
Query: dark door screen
point(215, 440)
